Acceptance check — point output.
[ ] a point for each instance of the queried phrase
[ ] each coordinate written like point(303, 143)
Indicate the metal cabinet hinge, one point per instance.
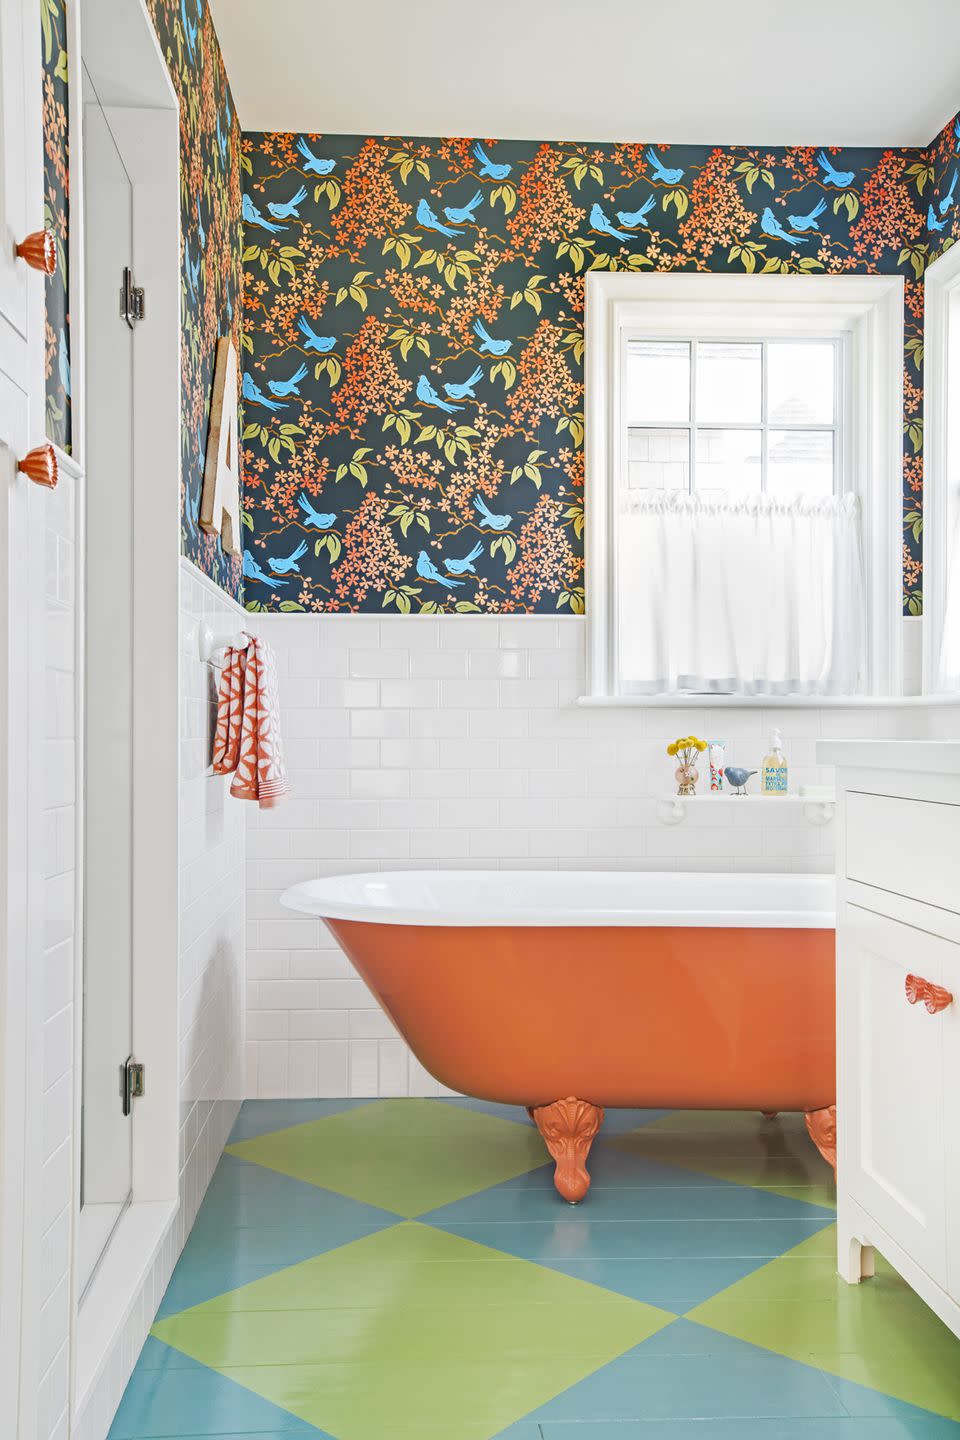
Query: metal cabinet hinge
point(132, 1083)
point(132, 304)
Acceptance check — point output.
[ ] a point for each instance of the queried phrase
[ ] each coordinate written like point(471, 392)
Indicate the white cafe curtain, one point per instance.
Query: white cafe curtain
point(750, 596)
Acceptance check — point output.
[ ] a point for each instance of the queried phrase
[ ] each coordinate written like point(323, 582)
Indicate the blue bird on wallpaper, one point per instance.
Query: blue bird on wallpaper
point(313, 341)
point(290, 208)
point(283, 564)
point(490, 167)
point(488, 345)
point(770, 225)
point(662, 172)
point(839, 178)
point(464, 215)
point(188, 268)
point(317, 518)
point(315, 164)
point(461, 567)
point(253, 217)
point(221, 144)
point(947, 200)
point(189, 31)
point(599, 221)
point(252, 570)
point(288, 387)
point(465, 388)
point(429, 396)
point(489, 521)
point(808, 221)
point(428, 571)
point(201, 233)
point(633, 219)
point(253, 393)
point(932, 222)
point(429, 221)
point(63, 362)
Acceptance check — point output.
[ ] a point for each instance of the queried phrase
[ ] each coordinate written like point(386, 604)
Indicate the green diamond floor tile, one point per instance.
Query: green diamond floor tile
point(878, 1334)
point(739, 1146)
point(406, 1156)
point(412, 1332)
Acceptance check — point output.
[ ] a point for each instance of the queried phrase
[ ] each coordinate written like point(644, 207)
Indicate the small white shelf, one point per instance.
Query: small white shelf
point(816, 809)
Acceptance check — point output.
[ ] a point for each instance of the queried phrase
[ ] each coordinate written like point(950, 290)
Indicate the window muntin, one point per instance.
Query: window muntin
point(735, 417)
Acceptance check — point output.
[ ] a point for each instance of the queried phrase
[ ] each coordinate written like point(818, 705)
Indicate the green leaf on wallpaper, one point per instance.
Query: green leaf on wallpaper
point(581, 169)
point(573, 515)
point(466, 607)
point(49, 10)
point(407, 164)
point(330, 543)
point(506, 370)
point(917, 255)
point(254, 607)
point(401, 420)
point(752, 172)
point(399, 245)
point(922, 173)
point(505, 545)
point(679, 199)
point(245, 163)
point(330, 188)
point(576, 250)
point(913, 429)
point(427, 257)
point(329, 366)
point(572, 598)
point(287, 606)
point(747, 254)
point(429, 607)
point(251, 252)
point(250, 432)
point(914, 602)
point(573, 423)
point(914, 349)
point(530, 469)
point(913, 520)
point(246, 520)
point(850, 201)
point(507, 194)
point(529, 293)
point(61, 70)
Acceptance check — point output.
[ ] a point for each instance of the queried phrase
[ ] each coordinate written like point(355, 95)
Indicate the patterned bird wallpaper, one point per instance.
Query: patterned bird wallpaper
point(56, 206)
point(413, 333)
point(210, 248)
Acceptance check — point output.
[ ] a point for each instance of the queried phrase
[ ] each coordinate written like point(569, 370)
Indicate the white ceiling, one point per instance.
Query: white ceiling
point(725, 72)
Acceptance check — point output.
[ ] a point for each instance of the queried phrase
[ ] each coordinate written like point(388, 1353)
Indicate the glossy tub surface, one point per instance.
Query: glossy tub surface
point(652, 990)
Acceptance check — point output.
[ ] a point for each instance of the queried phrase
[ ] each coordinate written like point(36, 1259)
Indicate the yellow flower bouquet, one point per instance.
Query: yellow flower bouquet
point(686, 749)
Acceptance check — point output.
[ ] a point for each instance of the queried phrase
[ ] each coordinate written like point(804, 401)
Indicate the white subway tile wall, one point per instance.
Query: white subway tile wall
point(212, 852)
point(419, 742)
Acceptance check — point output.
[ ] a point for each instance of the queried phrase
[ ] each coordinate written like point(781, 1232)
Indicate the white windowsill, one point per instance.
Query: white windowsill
point(768, 702)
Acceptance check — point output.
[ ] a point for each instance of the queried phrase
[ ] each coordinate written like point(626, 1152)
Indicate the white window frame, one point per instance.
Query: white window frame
point(867, 310)
point(941, 450)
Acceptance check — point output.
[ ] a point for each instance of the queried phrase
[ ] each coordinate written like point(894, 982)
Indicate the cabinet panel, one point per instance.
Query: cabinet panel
point(892, 1075)
point(876, 854)
point(951, 1118)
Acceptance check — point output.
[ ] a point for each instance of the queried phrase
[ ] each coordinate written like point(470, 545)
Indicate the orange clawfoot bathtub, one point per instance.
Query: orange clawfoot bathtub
point(570, 992)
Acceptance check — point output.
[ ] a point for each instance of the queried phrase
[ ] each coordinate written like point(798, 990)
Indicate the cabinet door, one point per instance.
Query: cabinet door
point(951, 1118)
point(891, 1106)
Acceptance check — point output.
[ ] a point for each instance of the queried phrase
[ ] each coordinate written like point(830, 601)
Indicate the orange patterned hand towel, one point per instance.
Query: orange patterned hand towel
point(247, 743)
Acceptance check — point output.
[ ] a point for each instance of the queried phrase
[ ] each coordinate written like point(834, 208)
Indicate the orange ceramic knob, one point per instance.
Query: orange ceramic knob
point(40, 466)
point(914, 988)
point(40, 251)
point(936, 998)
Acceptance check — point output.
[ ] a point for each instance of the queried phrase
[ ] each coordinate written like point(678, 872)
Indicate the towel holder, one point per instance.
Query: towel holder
point(209, 642)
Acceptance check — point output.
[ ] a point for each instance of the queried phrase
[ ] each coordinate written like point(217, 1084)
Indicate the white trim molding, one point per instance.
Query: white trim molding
point(867, 308)
point(941, 500)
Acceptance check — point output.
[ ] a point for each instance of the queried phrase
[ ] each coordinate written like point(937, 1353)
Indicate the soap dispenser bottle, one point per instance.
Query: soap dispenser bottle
point(773, 780)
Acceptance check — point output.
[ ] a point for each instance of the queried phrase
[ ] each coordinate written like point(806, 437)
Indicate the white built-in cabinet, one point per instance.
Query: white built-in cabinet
point(898, 1013)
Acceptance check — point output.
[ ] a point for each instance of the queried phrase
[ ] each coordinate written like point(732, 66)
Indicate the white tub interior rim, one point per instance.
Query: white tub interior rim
point(567, 897)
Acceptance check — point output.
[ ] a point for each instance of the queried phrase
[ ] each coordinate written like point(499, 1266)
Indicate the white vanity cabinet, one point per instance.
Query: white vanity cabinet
point(898, 1012)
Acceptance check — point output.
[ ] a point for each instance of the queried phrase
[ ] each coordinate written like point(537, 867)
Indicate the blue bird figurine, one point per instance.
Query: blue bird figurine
point(947, 200)
point(599, 222)
point(313, 341)
point(288, 387)
point(314, 164)
point(428, 395)
point(318, 519)
point(840, 179)
point(289, 209)
point(430, 221)
point(661, 172)
point(488, 166)
point(488, 345)
point(633, 219)
point(252, 216)
point(252, 392)
point(465, 388)
point(464, 566)
point(737, 777)
point(283, 564)
point(770, 225)
point(464, 215)
point(808, 221)
point(489, 521)
point(253, 571)
point(428, 571)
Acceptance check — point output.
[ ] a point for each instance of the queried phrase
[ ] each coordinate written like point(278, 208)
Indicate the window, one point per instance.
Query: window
point(743, 485)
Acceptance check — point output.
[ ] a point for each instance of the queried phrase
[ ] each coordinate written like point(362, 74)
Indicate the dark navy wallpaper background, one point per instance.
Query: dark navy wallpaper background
point(56, 211)
point(413, 341)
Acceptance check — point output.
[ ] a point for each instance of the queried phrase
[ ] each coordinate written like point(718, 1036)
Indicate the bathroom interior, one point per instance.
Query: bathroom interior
point(479, 721)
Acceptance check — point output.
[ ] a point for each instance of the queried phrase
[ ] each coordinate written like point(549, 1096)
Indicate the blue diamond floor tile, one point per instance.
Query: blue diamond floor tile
point(834, 1428)
point(191, 1400)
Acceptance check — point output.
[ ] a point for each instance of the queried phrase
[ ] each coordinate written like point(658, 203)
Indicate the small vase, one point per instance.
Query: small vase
point(686, 777)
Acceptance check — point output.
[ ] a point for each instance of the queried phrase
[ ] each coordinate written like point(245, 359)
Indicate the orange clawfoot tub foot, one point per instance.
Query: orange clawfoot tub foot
point(569, 1127)
point(822, 1127)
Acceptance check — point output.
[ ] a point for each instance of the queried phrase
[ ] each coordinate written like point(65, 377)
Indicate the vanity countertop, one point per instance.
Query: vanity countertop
point(925, 756)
